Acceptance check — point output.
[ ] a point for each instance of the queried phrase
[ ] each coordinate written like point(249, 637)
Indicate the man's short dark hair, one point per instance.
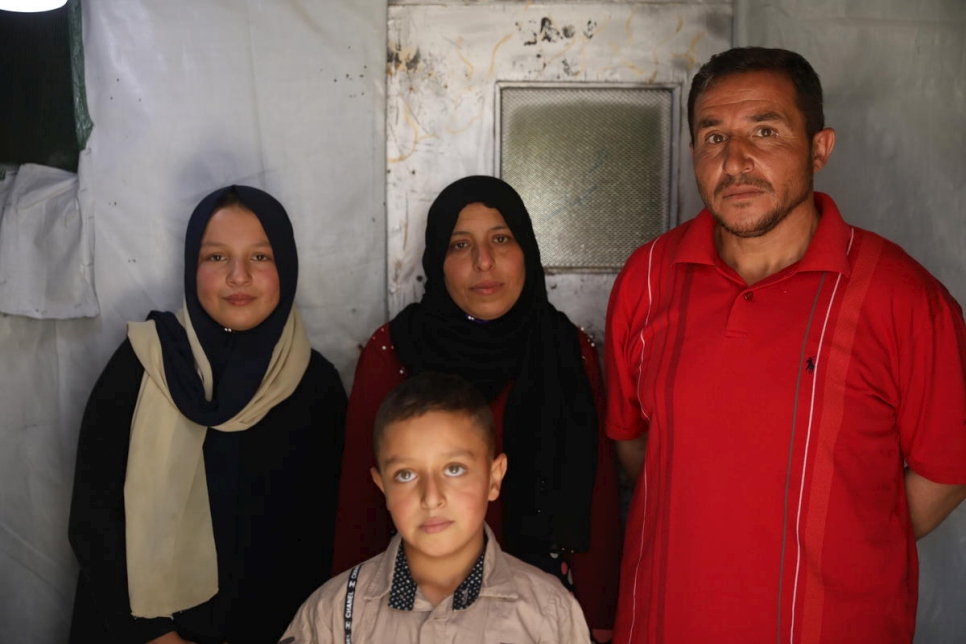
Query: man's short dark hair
point(808, 88)
point(431, 391)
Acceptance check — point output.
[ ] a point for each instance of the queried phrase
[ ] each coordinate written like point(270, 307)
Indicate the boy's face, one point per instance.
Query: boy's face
point(438, 478)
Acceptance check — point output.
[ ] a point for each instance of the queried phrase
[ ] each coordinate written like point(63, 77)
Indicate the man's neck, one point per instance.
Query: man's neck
point(755, 258)
point(438, 577)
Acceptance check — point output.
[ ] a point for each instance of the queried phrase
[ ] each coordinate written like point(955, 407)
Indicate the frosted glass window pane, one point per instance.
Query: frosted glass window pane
point(593, 166)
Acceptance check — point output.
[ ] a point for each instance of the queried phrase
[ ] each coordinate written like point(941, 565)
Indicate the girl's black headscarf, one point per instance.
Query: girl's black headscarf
point(238, 359)
point(550, 426)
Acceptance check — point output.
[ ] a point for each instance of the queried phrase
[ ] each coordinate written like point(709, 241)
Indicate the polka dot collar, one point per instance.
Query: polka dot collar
point(402, 594)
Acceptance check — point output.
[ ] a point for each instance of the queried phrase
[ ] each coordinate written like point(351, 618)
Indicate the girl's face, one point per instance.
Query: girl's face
point(237, 279)
point(484, 269)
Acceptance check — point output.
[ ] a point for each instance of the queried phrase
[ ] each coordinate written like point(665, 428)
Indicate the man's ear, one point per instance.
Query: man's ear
point(497, 472)
point(377, 479)
point(822, 144)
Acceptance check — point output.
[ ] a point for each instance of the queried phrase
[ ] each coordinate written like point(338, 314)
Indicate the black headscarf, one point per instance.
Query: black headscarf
point(550, 425)
point(238, 359)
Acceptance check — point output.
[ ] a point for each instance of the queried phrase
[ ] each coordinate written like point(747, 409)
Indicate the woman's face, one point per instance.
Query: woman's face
point(237, 279)
point(484, 268)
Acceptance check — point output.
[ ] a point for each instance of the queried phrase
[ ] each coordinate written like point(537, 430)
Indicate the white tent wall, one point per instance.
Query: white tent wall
point(894, 75)
point(186, 97)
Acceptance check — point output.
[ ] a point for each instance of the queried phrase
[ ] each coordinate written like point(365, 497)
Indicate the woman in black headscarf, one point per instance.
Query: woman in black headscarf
point(209, 451)
point(485, 316)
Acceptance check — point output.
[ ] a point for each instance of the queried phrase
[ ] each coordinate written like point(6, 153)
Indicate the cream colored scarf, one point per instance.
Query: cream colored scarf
point(171, 559)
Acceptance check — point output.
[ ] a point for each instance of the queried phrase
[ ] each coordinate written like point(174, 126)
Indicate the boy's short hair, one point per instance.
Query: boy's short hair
point(432, 391)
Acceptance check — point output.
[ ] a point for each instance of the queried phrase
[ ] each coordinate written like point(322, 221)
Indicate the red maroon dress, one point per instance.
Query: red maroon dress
point(363, 525)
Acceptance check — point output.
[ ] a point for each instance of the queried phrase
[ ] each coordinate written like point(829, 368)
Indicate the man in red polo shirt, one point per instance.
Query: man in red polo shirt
point(800, 384)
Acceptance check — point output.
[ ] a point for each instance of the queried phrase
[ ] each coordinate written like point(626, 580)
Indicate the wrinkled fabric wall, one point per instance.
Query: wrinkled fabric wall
point(894, 75)
point(46, 254)
point(186, 97)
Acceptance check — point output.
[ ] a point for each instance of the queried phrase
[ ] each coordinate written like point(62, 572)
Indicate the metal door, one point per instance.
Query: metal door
point(466, 84)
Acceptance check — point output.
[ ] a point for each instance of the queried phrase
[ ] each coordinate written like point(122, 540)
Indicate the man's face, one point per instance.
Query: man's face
point(753, 162)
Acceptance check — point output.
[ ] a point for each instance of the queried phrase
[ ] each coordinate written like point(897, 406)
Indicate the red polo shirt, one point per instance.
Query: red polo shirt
point(771, 506)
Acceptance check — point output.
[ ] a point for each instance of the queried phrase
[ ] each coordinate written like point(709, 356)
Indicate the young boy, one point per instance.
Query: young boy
point(443, 577)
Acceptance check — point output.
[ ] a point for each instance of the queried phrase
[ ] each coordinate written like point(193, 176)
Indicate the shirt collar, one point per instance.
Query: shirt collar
point(402, 590)
point(828, 250)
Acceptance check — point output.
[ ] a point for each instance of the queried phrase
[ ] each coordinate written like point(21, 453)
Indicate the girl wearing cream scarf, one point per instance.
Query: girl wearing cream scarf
point(210, 477)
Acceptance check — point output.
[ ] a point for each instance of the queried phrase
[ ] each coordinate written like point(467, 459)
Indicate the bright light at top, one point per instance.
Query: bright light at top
point(31, 5)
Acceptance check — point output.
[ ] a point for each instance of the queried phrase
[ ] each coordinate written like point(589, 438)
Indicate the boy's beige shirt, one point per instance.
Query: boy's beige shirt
point(518, 604)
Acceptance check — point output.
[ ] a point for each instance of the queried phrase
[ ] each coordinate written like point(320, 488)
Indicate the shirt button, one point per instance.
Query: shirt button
point(748, 296)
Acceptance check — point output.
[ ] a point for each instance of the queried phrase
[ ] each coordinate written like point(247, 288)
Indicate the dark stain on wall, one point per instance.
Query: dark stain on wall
point(548, 32)
point(396, 59)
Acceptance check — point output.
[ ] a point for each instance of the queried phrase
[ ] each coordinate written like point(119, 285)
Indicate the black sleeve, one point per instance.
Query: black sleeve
point(319, 469)
point(296, 519)
point(102, 610)
point(329, 415)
